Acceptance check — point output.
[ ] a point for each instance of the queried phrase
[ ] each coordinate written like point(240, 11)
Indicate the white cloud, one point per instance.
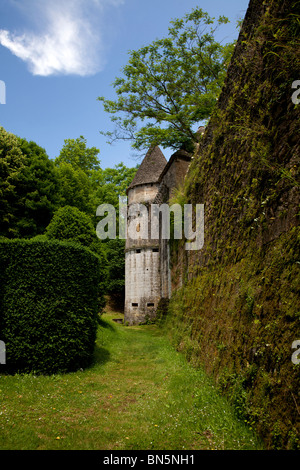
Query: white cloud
point(70, 42)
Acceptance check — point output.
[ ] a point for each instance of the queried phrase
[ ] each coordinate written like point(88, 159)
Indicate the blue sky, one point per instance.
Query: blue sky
point(58, 56)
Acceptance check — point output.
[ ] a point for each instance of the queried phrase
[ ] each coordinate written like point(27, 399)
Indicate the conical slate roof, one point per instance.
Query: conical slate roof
point(150, 168)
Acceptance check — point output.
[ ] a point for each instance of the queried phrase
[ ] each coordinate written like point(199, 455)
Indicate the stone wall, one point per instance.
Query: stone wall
point(170, 180)
point(237, 311)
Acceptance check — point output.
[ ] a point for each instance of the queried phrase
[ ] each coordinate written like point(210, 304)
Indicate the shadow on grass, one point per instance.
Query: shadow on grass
point(105, 324)
point(101, 356)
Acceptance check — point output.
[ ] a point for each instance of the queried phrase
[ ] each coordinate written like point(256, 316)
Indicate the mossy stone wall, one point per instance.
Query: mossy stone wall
point(235, 306)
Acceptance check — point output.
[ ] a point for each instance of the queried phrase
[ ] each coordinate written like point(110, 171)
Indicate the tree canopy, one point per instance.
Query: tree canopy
point(37, 190)
point(28, 187)
point(11, 164)
point(170, 85)
point(76, 153)
point(110, 183)
point(74, 187)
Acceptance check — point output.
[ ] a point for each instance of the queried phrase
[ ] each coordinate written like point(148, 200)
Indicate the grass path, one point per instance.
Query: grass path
point(139, 394)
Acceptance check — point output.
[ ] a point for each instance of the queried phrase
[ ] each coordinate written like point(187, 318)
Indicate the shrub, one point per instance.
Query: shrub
point(48, 305)
point(69, 223)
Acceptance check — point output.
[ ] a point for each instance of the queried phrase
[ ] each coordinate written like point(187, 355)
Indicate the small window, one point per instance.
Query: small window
point(137, 251)
point(155, 250)
point(150, 304)
point(135, 305)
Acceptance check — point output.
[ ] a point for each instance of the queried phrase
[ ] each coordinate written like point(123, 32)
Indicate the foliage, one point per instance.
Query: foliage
point(48, 305)
point(11, 164)
point(71, 225)
point(170, 85)
point(42, 199)
point(244, 341)
point(115, 253)
point(110, 183)
point(74, 188)
point(76, 153)
point(37, 191)
point(75, 164)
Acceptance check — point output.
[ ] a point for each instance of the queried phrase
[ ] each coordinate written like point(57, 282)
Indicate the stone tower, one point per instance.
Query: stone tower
point(142, 261)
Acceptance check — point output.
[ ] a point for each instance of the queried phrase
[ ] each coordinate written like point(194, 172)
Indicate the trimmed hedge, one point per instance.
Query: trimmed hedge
point(48, 305)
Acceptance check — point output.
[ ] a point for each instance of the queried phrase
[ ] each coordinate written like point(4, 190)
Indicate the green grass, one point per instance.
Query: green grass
point(139, 394)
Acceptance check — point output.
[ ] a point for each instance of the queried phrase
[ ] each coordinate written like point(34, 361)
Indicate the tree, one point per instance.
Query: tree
point(76, 153)
point(74, 187)
point(170, 85)
point(76, 164)
point(11, 164)
point(37, 190)
point(111, 183)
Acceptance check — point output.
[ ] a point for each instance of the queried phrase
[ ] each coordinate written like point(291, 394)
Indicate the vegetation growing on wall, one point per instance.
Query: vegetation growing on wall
point(237, 311)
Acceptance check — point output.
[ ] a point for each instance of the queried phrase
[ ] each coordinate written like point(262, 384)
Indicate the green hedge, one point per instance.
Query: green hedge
point(48, 305)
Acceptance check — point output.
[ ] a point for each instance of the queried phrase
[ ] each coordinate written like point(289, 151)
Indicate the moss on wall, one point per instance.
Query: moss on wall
point(236, 307)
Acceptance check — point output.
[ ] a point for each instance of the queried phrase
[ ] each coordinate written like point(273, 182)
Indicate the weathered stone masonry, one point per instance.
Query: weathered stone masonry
point(147, 271)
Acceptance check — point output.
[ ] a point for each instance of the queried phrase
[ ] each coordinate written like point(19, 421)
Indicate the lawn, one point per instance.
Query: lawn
point(140, 394)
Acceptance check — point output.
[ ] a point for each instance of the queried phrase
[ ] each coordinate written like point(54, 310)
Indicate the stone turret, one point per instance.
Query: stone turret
point(142, 277)
point(147, 260)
